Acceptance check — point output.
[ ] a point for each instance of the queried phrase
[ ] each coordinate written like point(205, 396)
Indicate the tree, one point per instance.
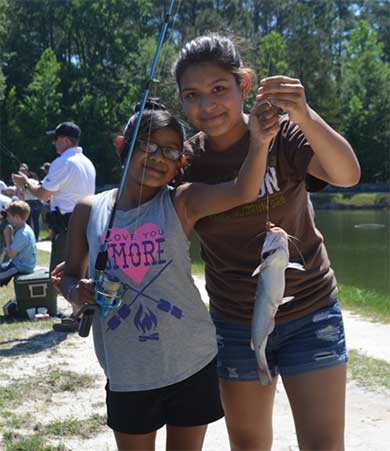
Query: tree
point(2, 97)
point(272, 55)
point(40, 109)
point(365, 91)
point(12, 137)
point(104, 49)
point(377, 14)
point(269, 56)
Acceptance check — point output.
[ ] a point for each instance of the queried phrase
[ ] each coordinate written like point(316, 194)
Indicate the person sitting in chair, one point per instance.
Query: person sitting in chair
point(20, 245)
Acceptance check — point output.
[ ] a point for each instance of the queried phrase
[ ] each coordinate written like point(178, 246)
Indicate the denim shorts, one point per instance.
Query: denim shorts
point(309, 343)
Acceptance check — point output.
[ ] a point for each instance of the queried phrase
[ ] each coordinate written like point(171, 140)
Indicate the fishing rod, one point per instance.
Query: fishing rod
point(108, 289)
point(5, 149)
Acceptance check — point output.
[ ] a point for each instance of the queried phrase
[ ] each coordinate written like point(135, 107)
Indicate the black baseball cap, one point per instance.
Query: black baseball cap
point(69, 129)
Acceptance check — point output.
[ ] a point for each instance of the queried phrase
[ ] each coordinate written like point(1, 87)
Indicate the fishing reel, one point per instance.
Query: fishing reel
point(108, 296)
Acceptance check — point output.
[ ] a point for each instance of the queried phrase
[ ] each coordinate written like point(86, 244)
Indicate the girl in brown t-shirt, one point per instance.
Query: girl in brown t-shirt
point(307, 347)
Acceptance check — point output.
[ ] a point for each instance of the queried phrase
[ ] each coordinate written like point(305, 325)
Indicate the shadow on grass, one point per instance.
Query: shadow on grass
point(31, 345)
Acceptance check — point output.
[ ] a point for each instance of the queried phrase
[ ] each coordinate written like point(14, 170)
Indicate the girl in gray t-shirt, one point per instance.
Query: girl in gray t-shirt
point(158, 347)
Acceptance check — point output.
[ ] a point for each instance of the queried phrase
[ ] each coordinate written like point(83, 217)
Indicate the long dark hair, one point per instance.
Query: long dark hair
point(214, 49)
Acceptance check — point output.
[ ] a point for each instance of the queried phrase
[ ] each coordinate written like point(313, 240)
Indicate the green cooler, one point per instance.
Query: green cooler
point(35, 290)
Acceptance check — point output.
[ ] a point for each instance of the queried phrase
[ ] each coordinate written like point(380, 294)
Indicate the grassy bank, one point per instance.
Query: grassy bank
point(370, 373)
point(367, 303)
point(351, 200)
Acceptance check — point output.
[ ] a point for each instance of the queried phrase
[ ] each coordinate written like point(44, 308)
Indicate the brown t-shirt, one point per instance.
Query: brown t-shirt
point(231, 242)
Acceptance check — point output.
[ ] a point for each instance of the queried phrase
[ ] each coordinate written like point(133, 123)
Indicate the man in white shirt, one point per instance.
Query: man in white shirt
point(70, 178)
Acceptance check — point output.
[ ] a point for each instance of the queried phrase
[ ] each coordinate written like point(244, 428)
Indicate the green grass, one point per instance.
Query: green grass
point(197, 262)
point(58, 381)
point(13, 421)
point(12, 395)
point(368, 303)
point(42, 387)
point(98, 405)
point(357, 200)
point(44, 234)
point(17, 442)
point(368, 372)
point(43, 258)
point(198, 269)
point(12, 330)
point(53, 381)
point(362, 199)
point(71, 426)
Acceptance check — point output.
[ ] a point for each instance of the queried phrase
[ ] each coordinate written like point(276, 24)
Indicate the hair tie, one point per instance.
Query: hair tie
point(119, 144)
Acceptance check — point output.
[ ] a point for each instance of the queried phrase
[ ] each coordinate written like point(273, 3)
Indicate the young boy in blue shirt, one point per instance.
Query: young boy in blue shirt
point(20, 245)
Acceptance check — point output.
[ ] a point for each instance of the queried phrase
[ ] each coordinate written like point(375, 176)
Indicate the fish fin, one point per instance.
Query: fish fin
point(257, 270)
point(287, 299)
point(295, 266)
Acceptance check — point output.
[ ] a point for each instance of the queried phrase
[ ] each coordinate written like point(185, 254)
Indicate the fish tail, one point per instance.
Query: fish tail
point(264, 376)
point(262, 364)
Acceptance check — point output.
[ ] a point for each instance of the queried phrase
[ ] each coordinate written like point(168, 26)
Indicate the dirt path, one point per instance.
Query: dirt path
point(368, 412)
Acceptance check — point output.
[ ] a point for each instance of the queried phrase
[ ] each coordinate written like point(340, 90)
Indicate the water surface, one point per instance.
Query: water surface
point(359, 255)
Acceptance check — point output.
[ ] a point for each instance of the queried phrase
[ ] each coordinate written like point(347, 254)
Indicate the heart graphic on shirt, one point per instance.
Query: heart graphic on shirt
point(135, 253)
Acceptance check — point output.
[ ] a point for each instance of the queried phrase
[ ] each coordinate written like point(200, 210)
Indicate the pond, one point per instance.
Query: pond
point(358, 244)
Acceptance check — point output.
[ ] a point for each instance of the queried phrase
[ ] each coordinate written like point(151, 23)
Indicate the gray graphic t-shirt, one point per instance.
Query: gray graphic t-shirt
point(162, 333)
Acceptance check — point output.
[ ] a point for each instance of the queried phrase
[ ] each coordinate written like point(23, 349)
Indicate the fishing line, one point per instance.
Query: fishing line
point(155, 85)
point(268, 223)
point(296, 248)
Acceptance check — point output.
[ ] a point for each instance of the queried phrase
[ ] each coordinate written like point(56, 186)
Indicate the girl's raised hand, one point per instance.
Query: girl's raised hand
point(285, 93)
point(263, 122)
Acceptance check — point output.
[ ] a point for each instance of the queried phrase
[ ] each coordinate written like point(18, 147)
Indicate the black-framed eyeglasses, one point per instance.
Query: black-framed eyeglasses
point(167, 152)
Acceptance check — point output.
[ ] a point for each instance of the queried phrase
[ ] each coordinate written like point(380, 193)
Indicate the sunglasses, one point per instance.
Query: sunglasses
point(166, 152)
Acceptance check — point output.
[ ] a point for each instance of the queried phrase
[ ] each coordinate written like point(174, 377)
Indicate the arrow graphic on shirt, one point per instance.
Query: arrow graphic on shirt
point(162, 304)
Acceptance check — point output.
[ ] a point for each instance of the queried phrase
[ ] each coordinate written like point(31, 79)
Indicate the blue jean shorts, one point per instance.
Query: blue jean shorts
point(315, 341)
